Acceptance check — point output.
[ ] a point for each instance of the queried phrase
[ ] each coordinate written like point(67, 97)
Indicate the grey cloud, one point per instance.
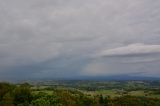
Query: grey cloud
point(36, 31)
point(116, 67)
point(135, 59)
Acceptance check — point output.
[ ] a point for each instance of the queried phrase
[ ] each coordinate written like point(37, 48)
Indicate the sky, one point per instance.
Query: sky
point(73, 38)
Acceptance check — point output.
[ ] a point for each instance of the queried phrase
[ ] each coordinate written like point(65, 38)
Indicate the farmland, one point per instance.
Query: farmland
point(80, 93)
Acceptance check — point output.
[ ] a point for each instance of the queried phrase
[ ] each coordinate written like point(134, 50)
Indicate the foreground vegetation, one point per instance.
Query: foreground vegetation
point(81, 93)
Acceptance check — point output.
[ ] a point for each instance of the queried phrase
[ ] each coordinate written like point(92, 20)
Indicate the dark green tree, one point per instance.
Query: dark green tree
point(22, 95)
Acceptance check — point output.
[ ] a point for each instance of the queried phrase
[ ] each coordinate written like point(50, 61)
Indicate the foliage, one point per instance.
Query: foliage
point(46, 100)
point(22, 95)
point(25, 95)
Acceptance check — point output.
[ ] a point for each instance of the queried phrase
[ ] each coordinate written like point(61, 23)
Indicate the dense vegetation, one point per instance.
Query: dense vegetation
point(77, 95)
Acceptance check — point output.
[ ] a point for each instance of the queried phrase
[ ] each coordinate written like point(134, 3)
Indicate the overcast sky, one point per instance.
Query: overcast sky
point(71, 38)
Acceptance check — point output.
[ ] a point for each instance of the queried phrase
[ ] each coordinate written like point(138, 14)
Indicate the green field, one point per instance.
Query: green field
point(105, 88)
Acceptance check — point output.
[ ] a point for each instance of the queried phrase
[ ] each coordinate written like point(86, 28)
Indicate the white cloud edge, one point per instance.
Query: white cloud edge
point(132, 49)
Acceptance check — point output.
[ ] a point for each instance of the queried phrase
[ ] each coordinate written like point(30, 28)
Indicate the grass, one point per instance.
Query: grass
point(45, 91)
point(116, 93)
point(137, 93)
point(111, 93)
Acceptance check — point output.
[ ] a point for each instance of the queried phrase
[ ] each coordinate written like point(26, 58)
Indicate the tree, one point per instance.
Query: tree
point(47, 100)
point(22, 95)
point(7, 100)
point(4, 89)
point(101, 101)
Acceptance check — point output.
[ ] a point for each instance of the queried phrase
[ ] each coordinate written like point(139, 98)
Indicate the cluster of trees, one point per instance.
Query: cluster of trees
point(23, 95)
point(12, 95)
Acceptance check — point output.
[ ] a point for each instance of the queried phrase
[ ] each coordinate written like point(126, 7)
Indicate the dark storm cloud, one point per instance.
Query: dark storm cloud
point(34, 32)
point(130, 59)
